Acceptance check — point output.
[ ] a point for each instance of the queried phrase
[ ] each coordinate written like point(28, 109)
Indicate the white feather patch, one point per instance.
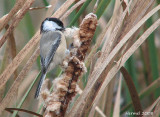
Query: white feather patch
point(50, 26)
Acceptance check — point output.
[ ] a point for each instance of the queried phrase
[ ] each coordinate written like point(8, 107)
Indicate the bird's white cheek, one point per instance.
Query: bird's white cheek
point(50, 26)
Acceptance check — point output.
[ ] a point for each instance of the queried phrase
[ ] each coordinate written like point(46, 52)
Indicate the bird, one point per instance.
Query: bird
point(53, 47)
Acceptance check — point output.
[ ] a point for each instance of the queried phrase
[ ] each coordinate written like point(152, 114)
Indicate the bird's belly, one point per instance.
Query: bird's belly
point(57, 60)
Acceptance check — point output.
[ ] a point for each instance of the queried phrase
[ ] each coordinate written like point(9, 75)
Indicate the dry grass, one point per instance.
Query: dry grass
point(115, 42)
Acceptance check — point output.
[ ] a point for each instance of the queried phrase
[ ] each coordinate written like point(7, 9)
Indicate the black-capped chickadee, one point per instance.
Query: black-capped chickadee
point(53, 47)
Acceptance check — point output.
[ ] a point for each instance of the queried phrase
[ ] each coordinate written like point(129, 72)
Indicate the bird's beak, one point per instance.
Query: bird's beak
point(60, 29)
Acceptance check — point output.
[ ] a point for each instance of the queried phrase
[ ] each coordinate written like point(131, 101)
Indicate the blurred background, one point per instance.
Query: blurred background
point(143, 65)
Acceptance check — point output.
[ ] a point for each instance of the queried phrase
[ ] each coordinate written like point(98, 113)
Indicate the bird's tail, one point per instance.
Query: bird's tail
point(43, 75)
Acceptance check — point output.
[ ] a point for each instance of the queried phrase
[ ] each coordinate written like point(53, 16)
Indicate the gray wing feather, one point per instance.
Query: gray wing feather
point(52, 52)
point(48, 46)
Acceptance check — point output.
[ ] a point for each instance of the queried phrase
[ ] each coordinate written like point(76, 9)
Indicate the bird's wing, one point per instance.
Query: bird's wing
point(48, 50)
